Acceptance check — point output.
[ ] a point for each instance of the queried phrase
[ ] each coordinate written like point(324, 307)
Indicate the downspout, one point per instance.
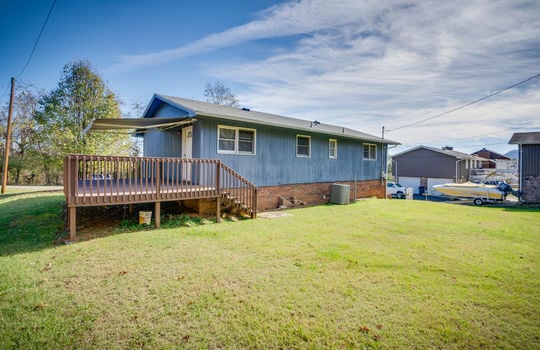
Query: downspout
point(457, 162)
point(383, 161)
point(355, 188)
point(455, 177)
point(384, 166)
point(520, 159)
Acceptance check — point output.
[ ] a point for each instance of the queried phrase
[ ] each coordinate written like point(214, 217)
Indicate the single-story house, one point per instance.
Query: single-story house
point(422, 167)
point(529, 164)
point(284, 157)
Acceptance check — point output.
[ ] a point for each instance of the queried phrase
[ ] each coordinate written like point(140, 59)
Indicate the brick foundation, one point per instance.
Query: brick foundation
point(310, 193)
point(531, 188)
point(316, 193)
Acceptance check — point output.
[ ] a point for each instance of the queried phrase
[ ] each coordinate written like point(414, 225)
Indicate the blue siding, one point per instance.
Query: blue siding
point(166, 143)
point(198, 144)
point(276, 163)
point(163, 144)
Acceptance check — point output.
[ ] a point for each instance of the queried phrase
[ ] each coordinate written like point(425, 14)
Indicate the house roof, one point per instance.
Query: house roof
point(451, 153)
point(198, 108)
point(525, 138)
point(492, 154)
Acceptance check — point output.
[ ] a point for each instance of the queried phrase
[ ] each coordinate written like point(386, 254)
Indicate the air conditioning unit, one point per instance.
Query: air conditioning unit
point(339, 194)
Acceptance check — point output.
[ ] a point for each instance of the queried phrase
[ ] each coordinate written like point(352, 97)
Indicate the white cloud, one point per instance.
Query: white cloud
point(365, 64)
point(288, 19)
point(398, 64)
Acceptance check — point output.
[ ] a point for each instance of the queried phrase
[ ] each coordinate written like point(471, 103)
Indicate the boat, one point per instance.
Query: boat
point(478, 192)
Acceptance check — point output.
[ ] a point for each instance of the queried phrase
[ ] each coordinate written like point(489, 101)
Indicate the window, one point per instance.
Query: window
point(332, 148)
point(227, 140)
point(370, 151)
point(303, 146)
point(236, 140)
point(246, 141)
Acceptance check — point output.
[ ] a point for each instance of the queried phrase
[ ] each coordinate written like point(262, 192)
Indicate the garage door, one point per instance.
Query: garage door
point(413, 182)
point(432, 182)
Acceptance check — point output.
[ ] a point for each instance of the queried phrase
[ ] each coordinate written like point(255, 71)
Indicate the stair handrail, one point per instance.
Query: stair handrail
point(248, 199)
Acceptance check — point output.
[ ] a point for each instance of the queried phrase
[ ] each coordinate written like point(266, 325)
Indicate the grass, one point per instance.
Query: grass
point(375, 274)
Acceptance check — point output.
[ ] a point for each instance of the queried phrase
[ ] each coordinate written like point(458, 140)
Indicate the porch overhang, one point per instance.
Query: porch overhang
point(136, 124)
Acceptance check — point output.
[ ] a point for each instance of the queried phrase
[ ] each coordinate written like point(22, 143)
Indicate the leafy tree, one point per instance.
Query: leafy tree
point(219, 94)
point(65, 113)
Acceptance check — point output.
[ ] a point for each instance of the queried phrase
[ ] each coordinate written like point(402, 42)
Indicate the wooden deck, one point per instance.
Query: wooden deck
point(110, 180)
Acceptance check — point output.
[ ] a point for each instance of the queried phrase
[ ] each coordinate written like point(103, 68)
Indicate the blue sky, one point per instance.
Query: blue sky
point(360, 64)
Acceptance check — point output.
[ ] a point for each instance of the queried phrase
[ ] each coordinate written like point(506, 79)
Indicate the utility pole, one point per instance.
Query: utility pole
point(8, 138)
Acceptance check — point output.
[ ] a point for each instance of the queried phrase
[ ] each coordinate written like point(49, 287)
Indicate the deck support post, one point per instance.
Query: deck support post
point(254, 204)
point(218, 209)
point(157, 218)
point(72, 223)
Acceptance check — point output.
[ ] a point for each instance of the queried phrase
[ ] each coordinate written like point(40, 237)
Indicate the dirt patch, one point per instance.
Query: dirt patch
point(272, 214)
point(109, 218)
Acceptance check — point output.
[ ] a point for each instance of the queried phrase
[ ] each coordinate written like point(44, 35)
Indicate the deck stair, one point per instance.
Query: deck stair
point(235, 206)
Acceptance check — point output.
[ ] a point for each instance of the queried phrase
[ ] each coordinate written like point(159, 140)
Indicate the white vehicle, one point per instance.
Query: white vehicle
point(396, 190)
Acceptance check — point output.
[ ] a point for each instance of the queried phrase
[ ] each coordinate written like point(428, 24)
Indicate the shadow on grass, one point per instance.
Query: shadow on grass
point(30, 222)
point(522, 209)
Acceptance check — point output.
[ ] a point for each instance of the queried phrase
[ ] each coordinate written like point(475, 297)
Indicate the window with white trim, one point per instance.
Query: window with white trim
point(332, 148)
point(370, 151)
point(236, 140)
point(303, 146)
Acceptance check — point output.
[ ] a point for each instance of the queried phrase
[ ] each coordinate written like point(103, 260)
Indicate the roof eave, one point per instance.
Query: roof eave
point(248, 120)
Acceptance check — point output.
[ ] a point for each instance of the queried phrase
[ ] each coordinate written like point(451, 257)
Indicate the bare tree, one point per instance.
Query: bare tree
point(220, 94)
point(137, 108)
point(23, 133)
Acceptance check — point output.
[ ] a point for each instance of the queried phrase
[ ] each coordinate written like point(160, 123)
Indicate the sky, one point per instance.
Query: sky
point(362, 64)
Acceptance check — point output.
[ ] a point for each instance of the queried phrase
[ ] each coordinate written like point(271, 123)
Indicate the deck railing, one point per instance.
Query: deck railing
point(107, 180)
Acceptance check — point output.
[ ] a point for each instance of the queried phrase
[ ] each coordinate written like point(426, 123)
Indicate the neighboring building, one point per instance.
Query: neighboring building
point(529, 164)
point(492, 159)
point(282, 156)
point(423, 167)
point(496, 167)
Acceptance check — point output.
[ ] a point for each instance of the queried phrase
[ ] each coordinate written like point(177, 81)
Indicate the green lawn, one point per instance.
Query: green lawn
point(377, 274)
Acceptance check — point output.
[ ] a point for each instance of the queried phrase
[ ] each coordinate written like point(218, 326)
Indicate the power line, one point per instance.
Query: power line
point(465, 105)
point(37, 40)
point(451, 140)
point(488, 133)
point(485, 144)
